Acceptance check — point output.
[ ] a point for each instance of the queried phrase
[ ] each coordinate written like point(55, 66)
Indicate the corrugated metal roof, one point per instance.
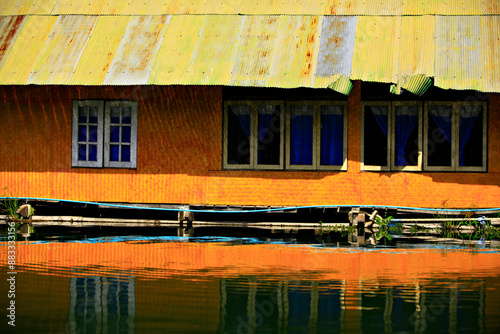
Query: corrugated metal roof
point(62, 50)
point(490, 48)
point(262, 7)
point(457, 43)
point(460, 52)
point(336, 49)
point(9, 29)
point(100, 50)
point(24, 53)
point(138, 48)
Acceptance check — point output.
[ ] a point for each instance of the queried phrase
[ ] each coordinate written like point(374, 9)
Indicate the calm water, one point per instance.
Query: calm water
point(246, 285)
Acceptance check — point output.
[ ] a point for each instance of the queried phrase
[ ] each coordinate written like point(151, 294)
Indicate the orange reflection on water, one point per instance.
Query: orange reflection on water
point(163, 259)
point(170, 283)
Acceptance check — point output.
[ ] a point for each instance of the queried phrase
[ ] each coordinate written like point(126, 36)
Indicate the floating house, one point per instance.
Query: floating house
point(244, 103)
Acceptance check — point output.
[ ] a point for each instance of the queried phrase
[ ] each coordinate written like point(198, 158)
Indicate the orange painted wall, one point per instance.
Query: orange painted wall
point(180, 151)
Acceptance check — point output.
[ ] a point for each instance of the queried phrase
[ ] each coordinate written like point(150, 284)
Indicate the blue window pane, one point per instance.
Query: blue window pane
point(82, 115)
point(126, 134)
point(82, 133)
point(127, 114)
point(114, 152)
point(92, 152)
point(93, 134)
point(301, 139)
point(115, 114)
point(82, 152)
point(115, 134)
point(125, 153)
point(93, 115)
point(332, 140)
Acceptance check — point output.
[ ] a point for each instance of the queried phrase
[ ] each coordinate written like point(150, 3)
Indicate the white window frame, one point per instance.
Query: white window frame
point(133, 135)
point(455, 137)
point(74, 147)
point(254, 124)
point(103, 134)
point(316, 162)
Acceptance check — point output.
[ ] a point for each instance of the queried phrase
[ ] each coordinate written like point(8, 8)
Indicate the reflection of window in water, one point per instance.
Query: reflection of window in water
point(102, 304)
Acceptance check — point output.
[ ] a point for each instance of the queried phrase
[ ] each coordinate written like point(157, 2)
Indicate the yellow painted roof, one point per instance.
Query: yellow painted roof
point(323, 44)
point(460, 52)
point(261, 7)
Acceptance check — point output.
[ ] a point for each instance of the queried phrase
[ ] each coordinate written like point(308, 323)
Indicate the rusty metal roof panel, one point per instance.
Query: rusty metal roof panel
point(336, 49)
point(9, 30)
point(62, 50)
point(297, 45)
point(100, 50)
point(174, 55)
point(257, 48)
point(23, 54)
point(137, 51)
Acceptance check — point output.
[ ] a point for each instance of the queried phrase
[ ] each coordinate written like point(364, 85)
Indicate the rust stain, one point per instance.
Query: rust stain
point(311, 39)
point(12, 26)
point(336, 41)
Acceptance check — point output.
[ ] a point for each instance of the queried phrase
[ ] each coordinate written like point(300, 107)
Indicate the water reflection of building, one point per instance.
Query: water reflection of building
point(248, 305)
point(102, 305)
point(215, 287)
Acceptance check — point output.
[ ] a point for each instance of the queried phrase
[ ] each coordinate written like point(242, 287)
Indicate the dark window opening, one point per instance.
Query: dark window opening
point(439, 141)
point(472, 153)
point(406, 151)
point(238, 133)
point(375, 135)
point(269, 135)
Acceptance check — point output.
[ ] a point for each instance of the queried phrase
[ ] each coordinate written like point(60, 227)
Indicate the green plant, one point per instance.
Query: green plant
point(342, 229)
point(9, 205)
point(383, 221)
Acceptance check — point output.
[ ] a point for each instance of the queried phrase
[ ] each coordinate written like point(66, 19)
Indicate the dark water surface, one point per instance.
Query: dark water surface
point(246, 285)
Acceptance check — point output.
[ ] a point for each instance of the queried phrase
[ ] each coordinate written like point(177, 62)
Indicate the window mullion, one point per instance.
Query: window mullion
point(389, 135)
point(254, 128)
point(455, 121)
point(316, 135)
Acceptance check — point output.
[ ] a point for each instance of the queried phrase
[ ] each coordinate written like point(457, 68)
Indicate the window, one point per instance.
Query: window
point(415, 136)
point(254, 135)
point(315, 136)
point(455, 136)
point(104, 134)
point(390, 136)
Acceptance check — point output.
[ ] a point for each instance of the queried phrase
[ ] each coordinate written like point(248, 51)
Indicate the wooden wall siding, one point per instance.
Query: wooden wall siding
point(180, 151)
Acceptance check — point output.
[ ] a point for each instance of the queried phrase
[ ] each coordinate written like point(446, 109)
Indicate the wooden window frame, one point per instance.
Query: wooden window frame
point(455, 137)
point(103, 135)
point(391, 136)
point(371, 168)
point(418, 167)
point(254, 110)
point(316, 135)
